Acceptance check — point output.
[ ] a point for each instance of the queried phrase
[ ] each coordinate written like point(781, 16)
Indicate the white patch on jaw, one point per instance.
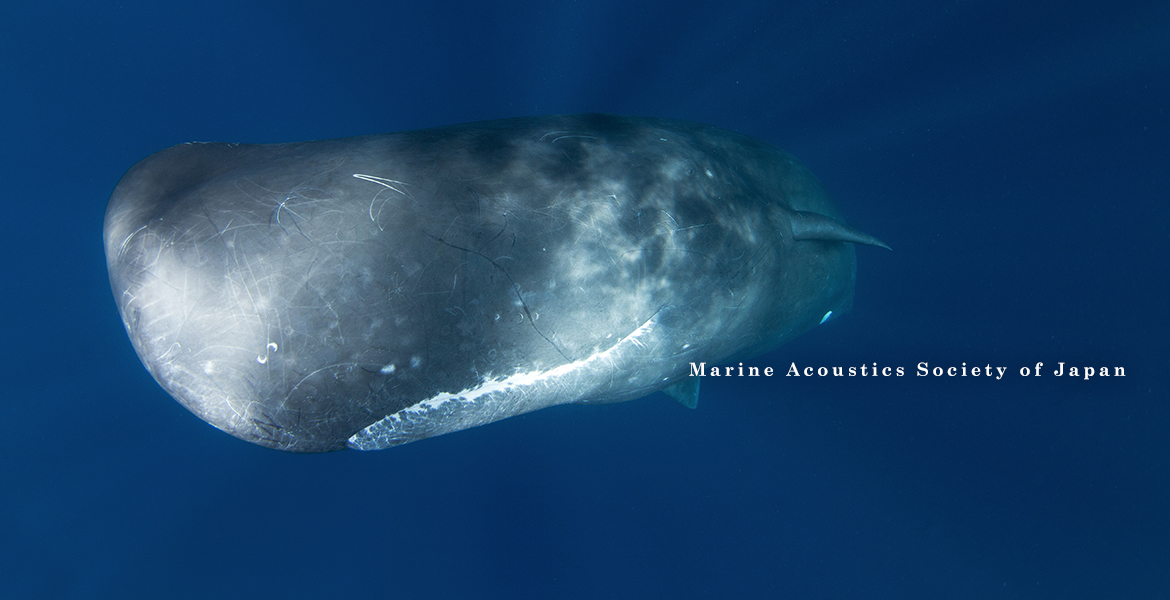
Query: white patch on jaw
point(388, 369)
point(526, 379)
point(492, 399)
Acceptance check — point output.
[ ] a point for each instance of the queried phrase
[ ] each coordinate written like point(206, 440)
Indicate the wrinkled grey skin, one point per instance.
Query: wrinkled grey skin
point(375, 290)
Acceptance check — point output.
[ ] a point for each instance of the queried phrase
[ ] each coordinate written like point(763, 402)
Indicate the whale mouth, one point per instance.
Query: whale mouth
point(500, 398)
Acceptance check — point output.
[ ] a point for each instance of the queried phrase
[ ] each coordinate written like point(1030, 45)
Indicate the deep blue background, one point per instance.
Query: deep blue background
point(1016, 158)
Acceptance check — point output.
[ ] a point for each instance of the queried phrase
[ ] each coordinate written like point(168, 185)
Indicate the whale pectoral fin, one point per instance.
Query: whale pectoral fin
point(814, 226)
point(685, 391)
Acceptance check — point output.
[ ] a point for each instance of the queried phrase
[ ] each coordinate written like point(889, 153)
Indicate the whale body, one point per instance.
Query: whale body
point(371, 291)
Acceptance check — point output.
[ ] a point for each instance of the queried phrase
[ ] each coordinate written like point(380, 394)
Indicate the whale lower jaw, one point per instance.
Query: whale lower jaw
point(614, 370)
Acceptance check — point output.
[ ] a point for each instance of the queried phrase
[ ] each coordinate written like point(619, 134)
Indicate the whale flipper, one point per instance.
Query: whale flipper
point(685, 391)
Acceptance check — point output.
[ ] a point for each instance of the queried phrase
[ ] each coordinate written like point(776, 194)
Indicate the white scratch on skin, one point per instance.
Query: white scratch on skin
point(555, 140)
point(386, 183)
point(284, 205)
point(382, 181)
point(567, 134)
point(122, 248)
point(293, 389)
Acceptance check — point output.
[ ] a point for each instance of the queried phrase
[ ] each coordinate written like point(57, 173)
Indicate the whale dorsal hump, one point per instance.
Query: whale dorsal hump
point(814, 226)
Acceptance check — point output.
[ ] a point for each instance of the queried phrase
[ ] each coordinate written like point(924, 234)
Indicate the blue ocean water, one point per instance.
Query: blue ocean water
point(1015, 157)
